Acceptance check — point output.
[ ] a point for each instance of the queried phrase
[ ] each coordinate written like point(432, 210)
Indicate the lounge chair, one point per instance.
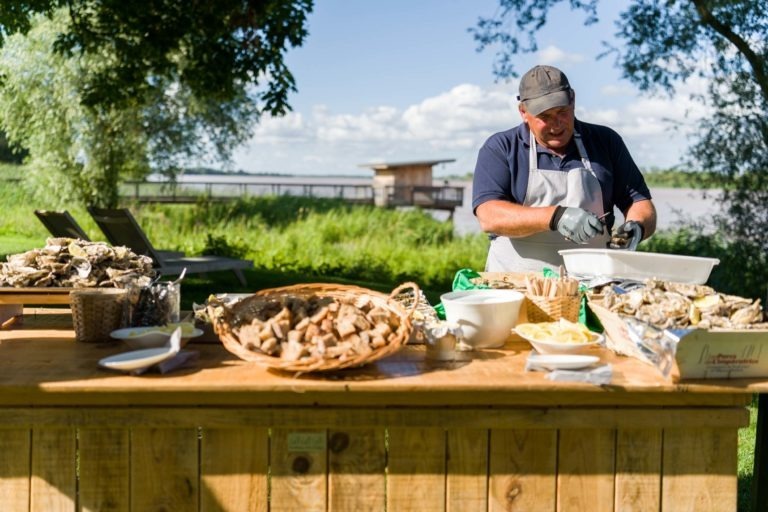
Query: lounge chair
point(120, 228)
point(62, 224)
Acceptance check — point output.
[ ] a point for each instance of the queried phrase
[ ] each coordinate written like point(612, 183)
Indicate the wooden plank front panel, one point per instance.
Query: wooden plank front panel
point(233, 469)
point(15, 468)
point(357, 462)
point(53, 470)
point(585, 470)
point(522, 470)
point(104, 469)
point(467, 479)
point(698, 470)
point(638, 470)
point(299, 465)
point(164, 469)
point(416, 477)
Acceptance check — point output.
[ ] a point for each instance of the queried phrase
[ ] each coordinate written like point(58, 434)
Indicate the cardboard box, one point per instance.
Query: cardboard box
point(702, 353)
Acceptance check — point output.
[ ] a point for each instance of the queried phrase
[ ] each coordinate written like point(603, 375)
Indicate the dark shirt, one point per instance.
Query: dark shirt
point(502, 166)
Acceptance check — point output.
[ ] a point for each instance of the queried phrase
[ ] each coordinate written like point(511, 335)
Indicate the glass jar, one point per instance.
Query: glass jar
point(155, 304)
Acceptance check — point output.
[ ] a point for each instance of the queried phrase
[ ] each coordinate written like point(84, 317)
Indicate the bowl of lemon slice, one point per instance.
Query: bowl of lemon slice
point(560, 337)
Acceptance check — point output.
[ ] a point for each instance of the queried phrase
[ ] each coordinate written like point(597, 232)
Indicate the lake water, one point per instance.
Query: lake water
point(673, 205)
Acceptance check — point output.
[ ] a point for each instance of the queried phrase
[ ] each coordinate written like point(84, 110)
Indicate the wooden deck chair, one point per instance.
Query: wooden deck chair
point(62, 224)
point(120, 228)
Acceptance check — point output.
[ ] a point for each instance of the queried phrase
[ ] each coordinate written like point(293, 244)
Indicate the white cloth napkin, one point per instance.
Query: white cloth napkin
point(184, 359)
point(597, 375)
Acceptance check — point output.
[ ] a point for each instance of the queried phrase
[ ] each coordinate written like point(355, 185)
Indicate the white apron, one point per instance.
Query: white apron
point(575, 187)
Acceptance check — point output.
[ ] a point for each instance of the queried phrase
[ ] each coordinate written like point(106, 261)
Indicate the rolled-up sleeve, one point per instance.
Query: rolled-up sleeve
point(493, 175)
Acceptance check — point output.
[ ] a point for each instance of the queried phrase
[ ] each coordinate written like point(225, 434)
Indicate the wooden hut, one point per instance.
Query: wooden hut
point(410, 184)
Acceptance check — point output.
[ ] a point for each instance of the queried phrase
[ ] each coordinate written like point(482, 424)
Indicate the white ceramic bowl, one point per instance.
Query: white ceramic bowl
point(559, 347)
point(486, 317)
point(150, 337)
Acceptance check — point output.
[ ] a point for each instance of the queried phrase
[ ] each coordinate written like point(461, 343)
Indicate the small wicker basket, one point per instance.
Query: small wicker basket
point(96, 312)
point(551, 309)
point(223, 318)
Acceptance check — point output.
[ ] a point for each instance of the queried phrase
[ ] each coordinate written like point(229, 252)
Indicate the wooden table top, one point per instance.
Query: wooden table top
point(41, 364)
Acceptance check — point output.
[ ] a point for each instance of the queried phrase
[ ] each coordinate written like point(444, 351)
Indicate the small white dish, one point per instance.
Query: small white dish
point(562, 361)
point(150, 337)
point(138, 359)
point(559, 347)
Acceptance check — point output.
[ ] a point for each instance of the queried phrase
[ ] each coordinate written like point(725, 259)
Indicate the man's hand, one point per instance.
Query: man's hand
point(576, 224)
point(627, 236)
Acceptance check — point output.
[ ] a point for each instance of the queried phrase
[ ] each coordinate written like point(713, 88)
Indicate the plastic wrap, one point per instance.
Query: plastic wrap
point(652, 345)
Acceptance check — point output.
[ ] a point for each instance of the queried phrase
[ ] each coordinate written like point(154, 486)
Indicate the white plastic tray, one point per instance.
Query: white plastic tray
point(637, 265)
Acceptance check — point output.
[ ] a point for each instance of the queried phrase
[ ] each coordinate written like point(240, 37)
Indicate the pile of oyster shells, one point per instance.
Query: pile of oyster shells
point(69, 262)
point(669, 305)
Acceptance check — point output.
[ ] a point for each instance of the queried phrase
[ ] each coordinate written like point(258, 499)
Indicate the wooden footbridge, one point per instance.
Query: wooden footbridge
point(429, 197)
point(394, 185)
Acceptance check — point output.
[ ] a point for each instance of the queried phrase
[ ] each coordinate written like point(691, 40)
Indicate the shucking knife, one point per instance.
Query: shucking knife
point(625, 237)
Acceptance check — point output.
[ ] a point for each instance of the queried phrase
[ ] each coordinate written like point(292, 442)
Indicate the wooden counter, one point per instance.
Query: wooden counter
point(401, 434)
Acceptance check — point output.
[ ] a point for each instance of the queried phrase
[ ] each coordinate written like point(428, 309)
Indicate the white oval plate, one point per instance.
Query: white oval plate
point(149, 337)
point(562, 361)
point(137, 359)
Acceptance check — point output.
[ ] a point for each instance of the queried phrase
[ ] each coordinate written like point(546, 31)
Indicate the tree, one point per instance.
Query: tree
point(9, 153)
point(139, 86)
point(665, 43)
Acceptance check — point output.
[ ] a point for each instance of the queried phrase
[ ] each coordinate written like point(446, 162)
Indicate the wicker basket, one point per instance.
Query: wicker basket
point(222, 318)
point(97, 312)
point(551, 309)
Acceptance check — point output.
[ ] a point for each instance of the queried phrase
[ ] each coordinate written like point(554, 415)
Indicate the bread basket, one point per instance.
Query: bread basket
point(233, 324)
point(550, 298)
point(551, 309)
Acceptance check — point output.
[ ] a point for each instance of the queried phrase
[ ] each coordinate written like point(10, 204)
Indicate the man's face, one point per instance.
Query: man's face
point(553, 128)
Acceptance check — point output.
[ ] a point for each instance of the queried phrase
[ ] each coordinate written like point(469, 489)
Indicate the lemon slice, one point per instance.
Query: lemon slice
point(707, 301)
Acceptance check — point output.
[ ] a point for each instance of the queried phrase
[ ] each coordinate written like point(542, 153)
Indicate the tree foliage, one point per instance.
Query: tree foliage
point(100, 90)
point(211, 48)
point(666, 42)
point(10, 153)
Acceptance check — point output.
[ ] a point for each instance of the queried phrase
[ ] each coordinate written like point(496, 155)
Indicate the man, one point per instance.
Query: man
point(552, 182)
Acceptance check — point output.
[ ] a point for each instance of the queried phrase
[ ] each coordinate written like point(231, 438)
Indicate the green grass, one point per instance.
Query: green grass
point(673, 178)
point(287, 238)
point(746, 452)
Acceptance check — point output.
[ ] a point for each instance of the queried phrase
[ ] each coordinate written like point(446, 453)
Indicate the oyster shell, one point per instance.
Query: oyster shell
point(69, 262)
point(669, 305)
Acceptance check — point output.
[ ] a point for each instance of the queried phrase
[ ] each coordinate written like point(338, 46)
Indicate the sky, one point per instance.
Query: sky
point(402, 80)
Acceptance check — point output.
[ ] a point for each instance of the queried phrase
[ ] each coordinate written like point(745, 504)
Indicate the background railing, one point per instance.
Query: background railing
point(150, 191)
